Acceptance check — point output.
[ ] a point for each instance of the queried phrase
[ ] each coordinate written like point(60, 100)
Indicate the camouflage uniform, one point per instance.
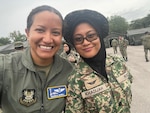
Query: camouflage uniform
point(89, 92)
point(146, 44)
point(123, 43)
point(72, 54)
point(114, 44)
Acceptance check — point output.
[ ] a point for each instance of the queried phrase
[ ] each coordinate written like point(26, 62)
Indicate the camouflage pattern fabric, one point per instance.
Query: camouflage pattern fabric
point(72, 54)
point(89, 92)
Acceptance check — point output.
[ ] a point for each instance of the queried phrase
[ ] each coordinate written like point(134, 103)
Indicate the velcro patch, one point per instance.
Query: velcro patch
point(123, 77)
point(56, 92)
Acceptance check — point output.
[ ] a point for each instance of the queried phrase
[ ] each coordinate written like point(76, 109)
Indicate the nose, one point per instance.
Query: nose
point(85, 41)
point(48, 37)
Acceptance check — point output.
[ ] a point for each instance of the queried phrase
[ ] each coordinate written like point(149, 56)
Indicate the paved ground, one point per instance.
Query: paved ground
point(141, 83)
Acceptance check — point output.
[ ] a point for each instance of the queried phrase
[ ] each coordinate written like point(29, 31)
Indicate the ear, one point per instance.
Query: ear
point(27, 32)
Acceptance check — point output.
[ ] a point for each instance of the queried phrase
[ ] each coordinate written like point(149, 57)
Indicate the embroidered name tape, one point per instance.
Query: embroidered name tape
point(56, 92)
point(94, 91)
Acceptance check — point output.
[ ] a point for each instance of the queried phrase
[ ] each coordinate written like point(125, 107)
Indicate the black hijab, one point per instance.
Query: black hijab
point(69, 46)
point(100, 24)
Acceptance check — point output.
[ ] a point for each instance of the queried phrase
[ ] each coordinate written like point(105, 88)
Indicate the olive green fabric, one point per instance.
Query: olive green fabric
point(18, 75)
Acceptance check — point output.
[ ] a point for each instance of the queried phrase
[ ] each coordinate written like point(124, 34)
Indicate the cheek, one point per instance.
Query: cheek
point(78, 49)
point(98, 46)
point(58, 41)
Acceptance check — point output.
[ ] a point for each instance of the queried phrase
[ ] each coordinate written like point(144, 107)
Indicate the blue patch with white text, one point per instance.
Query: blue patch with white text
point(56, 92)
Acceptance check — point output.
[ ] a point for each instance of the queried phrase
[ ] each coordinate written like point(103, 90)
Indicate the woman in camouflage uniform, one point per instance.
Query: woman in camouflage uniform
point(69, 54)
point(101, 84)
point(146, 44)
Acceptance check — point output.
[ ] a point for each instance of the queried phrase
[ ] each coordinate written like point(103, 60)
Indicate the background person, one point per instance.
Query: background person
point(146, 44)
point(102, 84)
point(69, 54)
point(123, 43)
point(114, 44)
point(34, 81)
point(18, 45)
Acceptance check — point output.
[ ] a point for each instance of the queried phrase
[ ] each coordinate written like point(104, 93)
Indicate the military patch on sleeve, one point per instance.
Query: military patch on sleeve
point(56, 92)
point(28, 97)
point(123, 77)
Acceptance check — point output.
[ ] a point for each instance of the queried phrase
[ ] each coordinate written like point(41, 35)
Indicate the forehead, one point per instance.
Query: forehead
point(65, 45)
point(47, 16)
point(83, 28)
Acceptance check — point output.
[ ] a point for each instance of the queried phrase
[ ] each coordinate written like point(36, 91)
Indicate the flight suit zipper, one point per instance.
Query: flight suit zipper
point(42, 110)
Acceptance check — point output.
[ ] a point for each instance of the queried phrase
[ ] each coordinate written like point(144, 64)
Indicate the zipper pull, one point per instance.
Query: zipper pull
point(42, 109)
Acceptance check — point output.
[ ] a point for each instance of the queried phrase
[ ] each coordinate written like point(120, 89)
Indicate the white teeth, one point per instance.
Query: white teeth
point(45, 47)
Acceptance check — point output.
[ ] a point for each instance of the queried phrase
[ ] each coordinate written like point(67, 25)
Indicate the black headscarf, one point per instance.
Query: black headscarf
point(69, 46)
point(100, 24)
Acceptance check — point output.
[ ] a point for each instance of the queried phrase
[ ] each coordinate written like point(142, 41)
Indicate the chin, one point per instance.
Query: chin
point(46, 56)
point(88, 56)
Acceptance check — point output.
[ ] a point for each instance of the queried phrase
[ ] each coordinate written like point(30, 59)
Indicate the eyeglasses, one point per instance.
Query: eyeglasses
point(90, 37)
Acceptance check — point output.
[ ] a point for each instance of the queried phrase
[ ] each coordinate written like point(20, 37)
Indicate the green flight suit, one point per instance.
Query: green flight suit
point(23, 89)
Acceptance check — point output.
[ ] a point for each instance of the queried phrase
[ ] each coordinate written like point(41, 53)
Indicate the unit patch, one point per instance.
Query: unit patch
point(28, 97)
point(56, 92)
point(123, 77)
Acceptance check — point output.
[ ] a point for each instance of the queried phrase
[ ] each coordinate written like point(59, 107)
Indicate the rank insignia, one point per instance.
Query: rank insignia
point(28, 97)
point(56, 92)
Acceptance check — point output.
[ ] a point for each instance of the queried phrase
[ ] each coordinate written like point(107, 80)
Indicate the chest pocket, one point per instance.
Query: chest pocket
point(97, 96)
point(122, 85)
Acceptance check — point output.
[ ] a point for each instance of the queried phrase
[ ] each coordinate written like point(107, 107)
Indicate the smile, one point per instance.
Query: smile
point(46, 47)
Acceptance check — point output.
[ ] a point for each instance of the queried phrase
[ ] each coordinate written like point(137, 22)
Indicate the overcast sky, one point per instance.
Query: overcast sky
point(13, 13)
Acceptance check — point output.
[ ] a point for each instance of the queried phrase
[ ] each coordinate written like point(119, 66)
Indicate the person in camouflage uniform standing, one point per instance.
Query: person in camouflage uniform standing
point(18, 45)
point(101, 83)
point(146, 44)
point(114, 44)
point(123, 43)
point(69, 54)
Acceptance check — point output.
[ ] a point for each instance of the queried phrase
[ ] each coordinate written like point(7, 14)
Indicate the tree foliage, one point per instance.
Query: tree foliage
point(4, 41)
point(118, 24)
point(13, 37)
point(140, 23)
point(17, 36)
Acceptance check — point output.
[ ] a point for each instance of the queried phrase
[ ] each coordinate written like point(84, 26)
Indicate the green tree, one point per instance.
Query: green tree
point(140, 23)
point(4, 41)
point(136, 24)
point(17, 36)
point(118, 24)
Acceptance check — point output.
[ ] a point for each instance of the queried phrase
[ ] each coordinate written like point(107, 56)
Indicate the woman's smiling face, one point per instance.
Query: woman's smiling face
point(45, 36)
point(87, 49)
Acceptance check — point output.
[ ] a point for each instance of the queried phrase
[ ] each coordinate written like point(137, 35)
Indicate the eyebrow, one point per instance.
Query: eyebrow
point(86, 32)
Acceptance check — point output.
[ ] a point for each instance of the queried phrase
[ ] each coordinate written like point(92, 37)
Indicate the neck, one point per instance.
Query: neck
point(43, 62)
